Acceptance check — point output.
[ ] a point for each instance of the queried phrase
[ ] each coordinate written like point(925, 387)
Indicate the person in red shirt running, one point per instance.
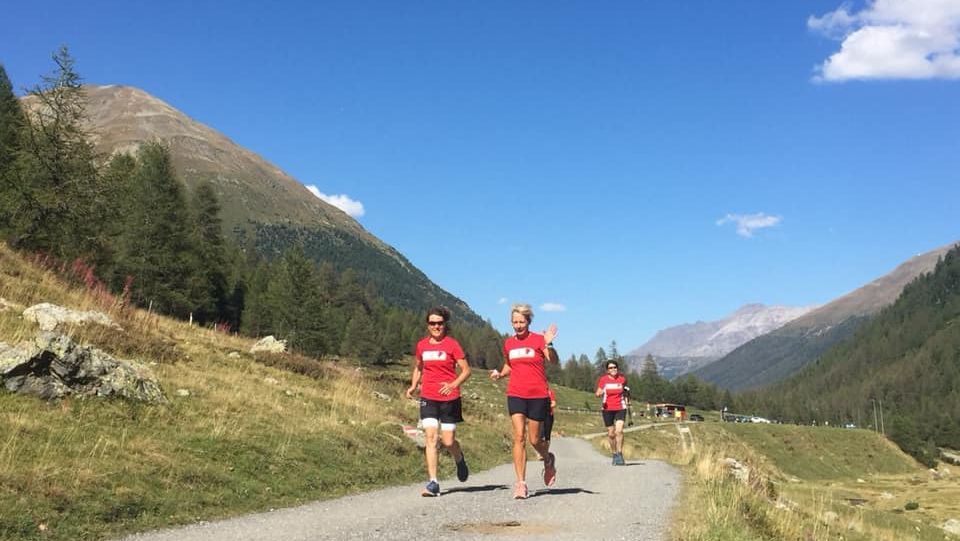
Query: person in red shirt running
point(525, 357)
point(610, 387)
point(437, 359)
point(546, 427)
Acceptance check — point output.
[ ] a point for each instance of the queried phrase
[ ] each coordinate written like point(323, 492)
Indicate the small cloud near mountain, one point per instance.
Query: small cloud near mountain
point(892, 39)
point(748, 223)
point(343, 202)
point(553, 307)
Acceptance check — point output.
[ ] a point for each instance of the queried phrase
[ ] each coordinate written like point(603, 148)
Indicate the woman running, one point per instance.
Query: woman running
point(437, 358)
point(610, 387)
point(525, 357)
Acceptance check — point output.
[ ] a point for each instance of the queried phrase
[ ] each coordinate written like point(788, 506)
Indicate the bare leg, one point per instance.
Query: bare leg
point(618, 436)
point(540, 445)
point(451, 444)
point(519, 422)
point(612, 436)
point(430, 433)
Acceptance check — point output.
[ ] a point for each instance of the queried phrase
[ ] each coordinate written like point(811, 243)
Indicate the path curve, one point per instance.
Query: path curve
point(591, 500)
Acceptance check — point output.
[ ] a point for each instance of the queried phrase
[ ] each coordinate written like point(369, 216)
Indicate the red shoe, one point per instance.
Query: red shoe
point(550, 470)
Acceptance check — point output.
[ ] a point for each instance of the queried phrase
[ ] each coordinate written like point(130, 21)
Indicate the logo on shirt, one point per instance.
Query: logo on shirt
point(434, 355)
point(521, 353)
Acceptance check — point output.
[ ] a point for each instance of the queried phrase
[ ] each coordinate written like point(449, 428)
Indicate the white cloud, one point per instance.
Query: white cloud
point(892, 39)
point(553, 307)
point(342, 202)
point(502, 300)
point(747, 223)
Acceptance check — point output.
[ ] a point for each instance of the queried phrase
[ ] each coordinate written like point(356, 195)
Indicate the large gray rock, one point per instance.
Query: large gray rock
point(53, 367)
point(269, 344)
point(50, 316)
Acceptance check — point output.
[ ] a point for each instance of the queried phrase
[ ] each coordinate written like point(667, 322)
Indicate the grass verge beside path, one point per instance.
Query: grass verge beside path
point(804, 483)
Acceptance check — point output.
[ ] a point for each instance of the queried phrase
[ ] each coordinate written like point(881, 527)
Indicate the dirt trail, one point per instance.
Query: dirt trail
point(591, 500)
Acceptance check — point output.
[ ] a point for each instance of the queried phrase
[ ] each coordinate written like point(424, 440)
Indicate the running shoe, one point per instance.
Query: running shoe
point(432, 489)
point(613, 459)
point(520, 491)
point(462, 470)
point(620, 461)
point(550, 470)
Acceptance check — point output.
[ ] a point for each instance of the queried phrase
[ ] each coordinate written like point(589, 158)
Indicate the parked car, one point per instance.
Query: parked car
point(696, 417)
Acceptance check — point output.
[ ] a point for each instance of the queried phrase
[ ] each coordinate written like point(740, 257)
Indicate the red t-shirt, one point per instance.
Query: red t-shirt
point(528, 376)
point(613, 399)
point(439, 367)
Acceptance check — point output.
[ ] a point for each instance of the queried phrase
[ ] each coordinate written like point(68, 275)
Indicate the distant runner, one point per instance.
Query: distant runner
point(437, 357)
point(525, 357)
point(610, 387)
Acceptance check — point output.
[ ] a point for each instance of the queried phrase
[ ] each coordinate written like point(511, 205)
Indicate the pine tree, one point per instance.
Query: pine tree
point(159, 254)
point(12, 124)
point(211, 289)
point(61, 205)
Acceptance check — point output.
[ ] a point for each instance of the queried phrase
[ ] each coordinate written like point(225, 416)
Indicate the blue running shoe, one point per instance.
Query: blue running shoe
point(463, 472)
point(431, 490)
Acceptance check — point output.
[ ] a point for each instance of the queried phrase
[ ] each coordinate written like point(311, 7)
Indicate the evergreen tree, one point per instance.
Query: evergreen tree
point(160, 255)
point(12, 124)
point(60, 203)
point(600, 361)
point(359, 339)
point(211, 288)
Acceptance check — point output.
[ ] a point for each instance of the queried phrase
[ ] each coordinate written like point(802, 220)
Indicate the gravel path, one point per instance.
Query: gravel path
point(590, 500)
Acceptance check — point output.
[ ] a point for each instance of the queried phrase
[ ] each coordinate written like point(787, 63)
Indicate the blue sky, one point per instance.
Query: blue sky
point(629, 165)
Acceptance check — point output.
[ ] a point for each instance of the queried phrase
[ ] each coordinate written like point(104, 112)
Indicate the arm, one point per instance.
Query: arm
point(414, 378)
point(502, 373)
point(447, 388)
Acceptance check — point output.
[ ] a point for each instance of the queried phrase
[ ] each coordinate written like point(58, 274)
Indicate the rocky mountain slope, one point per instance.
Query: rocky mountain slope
point(778, 354)
point(683, 348)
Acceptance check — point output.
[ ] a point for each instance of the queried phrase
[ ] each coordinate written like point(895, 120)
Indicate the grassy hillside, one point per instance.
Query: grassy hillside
point(240, 433)
point(798, 482)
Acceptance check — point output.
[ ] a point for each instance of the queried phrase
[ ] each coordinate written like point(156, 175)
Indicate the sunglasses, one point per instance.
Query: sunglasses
point(612, 368)
point(436, 323)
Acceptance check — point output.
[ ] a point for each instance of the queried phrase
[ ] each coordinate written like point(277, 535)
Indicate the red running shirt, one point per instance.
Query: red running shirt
point(613, 399)
point(439, 367)
point(528, 377)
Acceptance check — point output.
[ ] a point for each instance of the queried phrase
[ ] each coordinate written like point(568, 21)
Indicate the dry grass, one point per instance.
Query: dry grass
point(239, 433)
point(805, 504)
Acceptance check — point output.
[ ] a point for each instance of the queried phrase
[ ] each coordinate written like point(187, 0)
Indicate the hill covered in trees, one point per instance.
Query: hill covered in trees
point(119, 212)
point(905, 360)
point(776, 355)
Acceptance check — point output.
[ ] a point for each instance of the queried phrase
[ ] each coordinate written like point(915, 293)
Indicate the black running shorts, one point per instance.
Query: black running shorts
point(533, 408)
point(447, 411)
point(609, 416)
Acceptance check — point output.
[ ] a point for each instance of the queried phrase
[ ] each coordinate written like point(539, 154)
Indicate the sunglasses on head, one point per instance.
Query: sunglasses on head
point(436, 323)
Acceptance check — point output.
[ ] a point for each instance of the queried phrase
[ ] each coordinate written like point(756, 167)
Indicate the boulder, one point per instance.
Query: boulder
point(52, 366)
point(269, 344)
point(50, 316)
point(952, 526)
